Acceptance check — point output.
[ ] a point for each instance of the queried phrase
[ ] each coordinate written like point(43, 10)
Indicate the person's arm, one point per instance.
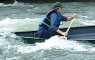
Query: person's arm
point(53, 26)
point(72, 17)
point(64, 18)
point(61, 32)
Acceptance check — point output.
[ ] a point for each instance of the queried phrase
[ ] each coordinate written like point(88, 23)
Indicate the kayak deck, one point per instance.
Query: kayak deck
point(75, 33)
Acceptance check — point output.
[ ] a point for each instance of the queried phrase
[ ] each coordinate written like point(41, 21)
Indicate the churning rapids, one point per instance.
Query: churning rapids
point(55, 48)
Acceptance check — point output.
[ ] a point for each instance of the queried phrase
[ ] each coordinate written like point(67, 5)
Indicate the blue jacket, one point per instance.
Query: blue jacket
point(54, 18)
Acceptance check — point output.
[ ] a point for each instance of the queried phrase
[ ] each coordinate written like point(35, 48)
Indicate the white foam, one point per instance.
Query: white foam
point(59, 42)
point(16, 3)
point(84, 20)
point(88, 22)
point(15, 25)
point(54, 42)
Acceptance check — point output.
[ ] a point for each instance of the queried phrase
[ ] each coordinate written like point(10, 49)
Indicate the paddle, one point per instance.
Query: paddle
point(66, 33)
point(69, 27)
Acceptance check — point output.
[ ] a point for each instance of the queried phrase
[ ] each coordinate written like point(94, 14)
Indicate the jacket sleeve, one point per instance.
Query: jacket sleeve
point(63, 18)
point(54, 19)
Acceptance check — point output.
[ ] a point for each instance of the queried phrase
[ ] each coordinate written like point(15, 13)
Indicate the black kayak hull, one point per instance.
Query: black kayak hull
point(75, 33)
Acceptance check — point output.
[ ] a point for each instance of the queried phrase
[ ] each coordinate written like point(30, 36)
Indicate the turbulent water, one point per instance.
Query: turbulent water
point(20, 17)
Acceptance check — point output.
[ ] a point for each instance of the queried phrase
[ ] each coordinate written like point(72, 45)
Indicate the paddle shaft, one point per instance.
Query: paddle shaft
point(69, 26)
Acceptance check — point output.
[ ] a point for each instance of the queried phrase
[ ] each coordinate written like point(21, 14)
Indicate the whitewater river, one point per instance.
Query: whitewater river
point(26, 17)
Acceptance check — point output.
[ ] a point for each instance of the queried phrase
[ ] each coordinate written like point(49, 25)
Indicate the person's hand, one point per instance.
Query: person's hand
point(64, 33)
point(72, 17)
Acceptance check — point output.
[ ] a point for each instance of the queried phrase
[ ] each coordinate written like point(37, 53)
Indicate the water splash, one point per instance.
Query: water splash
point(16, 3)
point(19, 25)
point(11, 48)
point(91, 23)
point(85, 20)
point(60, 42)
point(8, 45)
point(55, 42)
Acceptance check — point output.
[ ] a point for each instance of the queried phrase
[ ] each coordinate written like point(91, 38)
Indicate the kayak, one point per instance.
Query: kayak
point(81, 33)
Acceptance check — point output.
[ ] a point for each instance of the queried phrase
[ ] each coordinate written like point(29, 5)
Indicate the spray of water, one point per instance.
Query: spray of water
point(92, 22)
point(19, 25)
point(11, 46)
point(85, 20)
point(16, 3)
point(54, 42)
point(60, 42)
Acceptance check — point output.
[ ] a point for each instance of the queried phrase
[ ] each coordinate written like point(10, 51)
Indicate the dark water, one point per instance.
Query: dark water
point(42, 1)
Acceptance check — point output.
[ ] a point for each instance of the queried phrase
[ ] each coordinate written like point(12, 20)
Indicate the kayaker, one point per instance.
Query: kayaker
point(51, 22)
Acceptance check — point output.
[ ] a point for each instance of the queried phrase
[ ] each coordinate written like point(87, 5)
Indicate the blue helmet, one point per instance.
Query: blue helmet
point(57, 5)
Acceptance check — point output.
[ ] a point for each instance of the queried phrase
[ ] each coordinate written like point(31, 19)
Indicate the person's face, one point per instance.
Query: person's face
point(61, 9)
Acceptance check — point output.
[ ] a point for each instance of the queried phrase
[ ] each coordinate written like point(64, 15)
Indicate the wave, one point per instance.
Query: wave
point(15, 25)
point(16, 3)
point(28, 24)
point(56, 42)
point(88, 22)
point(12, 47)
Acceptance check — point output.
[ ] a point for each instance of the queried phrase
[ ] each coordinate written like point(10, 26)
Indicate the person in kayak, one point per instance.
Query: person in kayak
point(51, 22)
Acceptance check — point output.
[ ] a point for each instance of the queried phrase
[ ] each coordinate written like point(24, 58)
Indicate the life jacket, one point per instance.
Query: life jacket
point(47, 20)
